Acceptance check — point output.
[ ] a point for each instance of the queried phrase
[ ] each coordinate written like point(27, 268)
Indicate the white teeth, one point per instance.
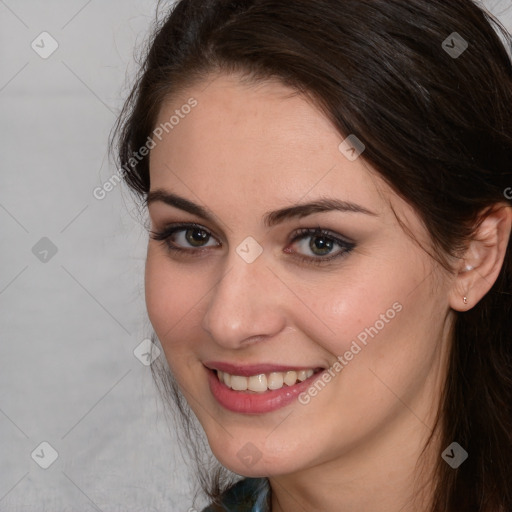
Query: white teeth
point(302, 375)
point(290, 378)
point(263, 382)
point(257, 383)
point(239, 383)
point(275, 380)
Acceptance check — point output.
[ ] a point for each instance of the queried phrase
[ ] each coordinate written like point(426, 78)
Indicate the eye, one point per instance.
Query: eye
point(319, 245)
point(315, 246)
point(185, 237)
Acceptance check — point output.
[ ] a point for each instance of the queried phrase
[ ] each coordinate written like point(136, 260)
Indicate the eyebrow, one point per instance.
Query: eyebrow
point(270, 218)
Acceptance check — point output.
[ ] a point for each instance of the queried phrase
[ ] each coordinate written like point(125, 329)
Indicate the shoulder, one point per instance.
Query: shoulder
point(247, 495)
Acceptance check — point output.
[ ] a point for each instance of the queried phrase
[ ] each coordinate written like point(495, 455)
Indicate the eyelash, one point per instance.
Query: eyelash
point(345, 246)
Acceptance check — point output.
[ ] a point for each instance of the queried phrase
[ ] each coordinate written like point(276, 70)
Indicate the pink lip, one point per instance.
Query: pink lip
point(255, 403)
point(248, 370)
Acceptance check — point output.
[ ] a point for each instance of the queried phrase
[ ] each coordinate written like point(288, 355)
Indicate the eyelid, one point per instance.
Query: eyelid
point(317, 230)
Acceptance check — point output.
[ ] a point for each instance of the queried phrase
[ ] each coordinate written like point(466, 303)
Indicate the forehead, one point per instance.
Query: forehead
point(262, 142)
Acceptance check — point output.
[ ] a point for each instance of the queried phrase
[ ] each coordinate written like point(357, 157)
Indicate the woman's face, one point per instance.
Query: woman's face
point(337, 286)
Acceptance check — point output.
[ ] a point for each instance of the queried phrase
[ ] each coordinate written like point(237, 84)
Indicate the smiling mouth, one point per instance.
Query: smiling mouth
point(265, 382)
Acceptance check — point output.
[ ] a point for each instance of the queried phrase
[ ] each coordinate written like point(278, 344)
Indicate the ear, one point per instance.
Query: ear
point(483, 259)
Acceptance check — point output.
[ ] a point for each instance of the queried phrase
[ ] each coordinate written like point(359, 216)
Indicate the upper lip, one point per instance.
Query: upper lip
point(253, 369)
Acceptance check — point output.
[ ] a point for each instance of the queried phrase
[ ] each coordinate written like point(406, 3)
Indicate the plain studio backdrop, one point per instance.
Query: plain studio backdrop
point(81, 425)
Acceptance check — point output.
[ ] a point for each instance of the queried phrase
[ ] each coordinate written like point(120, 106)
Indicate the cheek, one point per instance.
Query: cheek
point(384, 334)
point(373, 319)
point(350, 307)
point(171, 295)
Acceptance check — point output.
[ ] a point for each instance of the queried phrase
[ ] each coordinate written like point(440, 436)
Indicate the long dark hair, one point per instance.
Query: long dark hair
point(437, 125)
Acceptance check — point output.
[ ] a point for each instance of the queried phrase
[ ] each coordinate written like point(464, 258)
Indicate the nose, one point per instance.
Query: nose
point(245, 306)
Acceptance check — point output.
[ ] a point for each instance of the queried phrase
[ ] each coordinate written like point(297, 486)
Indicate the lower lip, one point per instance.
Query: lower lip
point(256, 403)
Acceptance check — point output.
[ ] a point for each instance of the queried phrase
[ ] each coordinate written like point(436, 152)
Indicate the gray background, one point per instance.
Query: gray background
point(70, 324)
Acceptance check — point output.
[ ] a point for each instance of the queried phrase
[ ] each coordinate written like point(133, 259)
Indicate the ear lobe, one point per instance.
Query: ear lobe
point(482, 262)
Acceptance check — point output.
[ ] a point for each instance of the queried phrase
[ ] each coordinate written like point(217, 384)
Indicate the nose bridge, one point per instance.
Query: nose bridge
point(242, 304)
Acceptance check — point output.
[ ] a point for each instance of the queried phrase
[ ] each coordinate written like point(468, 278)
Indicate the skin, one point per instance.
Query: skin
point(245, 150)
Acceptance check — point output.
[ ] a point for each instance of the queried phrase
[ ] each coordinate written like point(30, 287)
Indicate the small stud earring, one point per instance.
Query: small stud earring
point(469, 268)
point(465, 300)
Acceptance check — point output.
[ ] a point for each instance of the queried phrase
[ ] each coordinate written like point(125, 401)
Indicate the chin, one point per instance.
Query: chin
point(249, 461)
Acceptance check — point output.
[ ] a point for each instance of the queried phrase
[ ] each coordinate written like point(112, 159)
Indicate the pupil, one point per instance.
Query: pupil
point(196, 236)
point(321, 245)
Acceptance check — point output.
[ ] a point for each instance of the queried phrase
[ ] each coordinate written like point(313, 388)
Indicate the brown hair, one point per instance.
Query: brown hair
point(436, 126)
